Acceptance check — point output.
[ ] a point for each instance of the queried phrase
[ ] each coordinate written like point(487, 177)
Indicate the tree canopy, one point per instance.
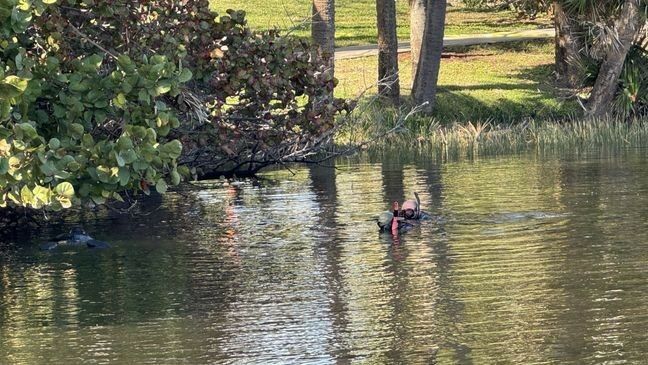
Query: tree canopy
point(101, 99)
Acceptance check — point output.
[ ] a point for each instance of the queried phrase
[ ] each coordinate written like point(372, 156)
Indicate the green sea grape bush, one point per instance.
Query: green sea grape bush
point(102, 98)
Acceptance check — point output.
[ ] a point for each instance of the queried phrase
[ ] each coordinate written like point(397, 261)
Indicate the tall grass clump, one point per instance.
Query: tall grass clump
point(389, 129)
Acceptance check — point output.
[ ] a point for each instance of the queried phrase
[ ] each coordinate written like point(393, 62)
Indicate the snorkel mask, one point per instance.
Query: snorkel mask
point(410, 210)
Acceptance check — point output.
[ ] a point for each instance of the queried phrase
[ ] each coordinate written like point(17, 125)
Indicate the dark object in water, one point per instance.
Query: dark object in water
point(387, 223)
point(392, 223)
point(77, 237)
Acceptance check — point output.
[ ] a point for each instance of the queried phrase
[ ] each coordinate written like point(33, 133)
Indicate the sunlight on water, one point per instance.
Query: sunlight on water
point(527, 259)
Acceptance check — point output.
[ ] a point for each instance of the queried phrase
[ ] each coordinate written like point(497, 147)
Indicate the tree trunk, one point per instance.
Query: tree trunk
point(323, 30)
point(427, 72)
point(569, 42)
point(607, 82)
point(388, 79)
point(417, 28)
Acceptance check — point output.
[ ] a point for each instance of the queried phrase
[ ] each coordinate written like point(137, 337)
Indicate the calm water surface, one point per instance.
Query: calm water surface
point(528, 260)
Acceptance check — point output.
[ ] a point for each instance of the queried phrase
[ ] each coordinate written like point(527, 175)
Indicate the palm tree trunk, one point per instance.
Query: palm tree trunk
point(642, 37)
point(427, 72)
point(569, 42)
point(606, 85)
point(388, 80)
point(323, 30)
point(417, 28)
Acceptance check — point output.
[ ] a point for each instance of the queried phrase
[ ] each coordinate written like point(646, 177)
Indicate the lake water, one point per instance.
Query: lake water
point(528, 260)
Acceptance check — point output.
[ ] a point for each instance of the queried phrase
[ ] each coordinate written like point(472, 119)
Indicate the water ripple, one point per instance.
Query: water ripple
point(526, 260)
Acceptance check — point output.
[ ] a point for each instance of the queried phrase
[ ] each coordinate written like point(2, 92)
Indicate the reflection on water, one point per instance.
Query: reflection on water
point(528, 260)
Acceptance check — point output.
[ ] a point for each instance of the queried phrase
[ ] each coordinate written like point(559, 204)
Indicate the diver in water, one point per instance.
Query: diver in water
point(402, 219)
point(76, 237)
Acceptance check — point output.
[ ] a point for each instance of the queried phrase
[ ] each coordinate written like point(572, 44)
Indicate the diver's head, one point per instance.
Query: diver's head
point(78, 231)
point(410, 209)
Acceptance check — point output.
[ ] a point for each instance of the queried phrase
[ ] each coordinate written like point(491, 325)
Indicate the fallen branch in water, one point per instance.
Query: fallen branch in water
point(251, 154)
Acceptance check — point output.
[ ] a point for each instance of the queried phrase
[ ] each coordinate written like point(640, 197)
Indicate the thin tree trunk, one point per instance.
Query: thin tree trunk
point(323, 35)
point(569, 42)
point(388, 80)
point(417, 28)
point(607, 82)
point(427, 72)
point(323, 30)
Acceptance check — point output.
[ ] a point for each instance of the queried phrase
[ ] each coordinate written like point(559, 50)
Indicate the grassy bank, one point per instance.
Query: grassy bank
point(428, 135)
point(501, 83)
point(356, 19)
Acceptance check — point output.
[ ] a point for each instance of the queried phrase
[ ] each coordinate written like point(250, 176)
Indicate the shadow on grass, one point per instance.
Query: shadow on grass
point(514, 46)
point(468, 10)
point(496, 24)
point(463, 107)
point(536, 98)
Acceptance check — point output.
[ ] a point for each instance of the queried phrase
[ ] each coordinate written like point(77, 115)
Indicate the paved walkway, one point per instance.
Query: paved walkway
point(462, 40)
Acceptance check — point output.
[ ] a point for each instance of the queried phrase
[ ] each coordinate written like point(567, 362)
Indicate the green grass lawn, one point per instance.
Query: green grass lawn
point(356, 19)
point(496, 82)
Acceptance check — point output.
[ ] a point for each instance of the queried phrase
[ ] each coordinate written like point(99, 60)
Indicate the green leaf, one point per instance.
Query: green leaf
point(162, 119)
point(12, 86)
point(92, 63)
point(157, 59)
point(175, 177)
point(4, 147)
point(140, 165)
point(151, 135)
point(76, 130)
point(43, 194)
point(64, 161)
point(185, 75)
point(64, 201)
point(87, 141)
point(118, 158)
point(26, 196)
point(120, 101)
point(161, 186)
point(14, 197)
point(172, 149)
point(138, 132)
point(4, 165)
point(5, 109)
point(125, 63)
point(143, 97)
point(103, 174)
point(98, 200)
point(127, 87)
point(124, 176)
point(73, 166)
point(184, 171)
point(118, 197)
point(48, 168)
point(65, 189)
point(124, 143)
point(27, 130)
point(163, 87)
point(54, 143)
point(129, 156)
